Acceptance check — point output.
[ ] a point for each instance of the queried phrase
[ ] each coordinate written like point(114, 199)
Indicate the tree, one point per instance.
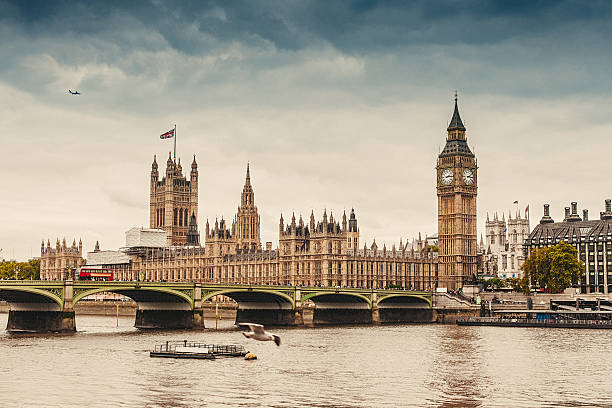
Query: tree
point(519, 285)
point(492, 284)
point(20, 270)
point(554, 268)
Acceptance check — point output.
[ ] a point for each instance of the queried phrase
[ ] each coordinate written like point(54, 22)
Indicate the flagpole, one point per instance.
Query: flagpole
point(528, 220)
point(175, 142)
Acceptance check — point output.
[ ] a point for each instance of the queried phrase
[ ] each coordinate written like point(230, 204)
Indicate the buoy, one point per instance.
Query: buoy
point(250, 356)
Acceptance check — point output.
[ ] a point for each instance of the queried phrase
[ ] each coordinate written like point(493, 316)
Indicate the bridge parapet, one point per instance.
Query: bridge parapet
point(179, 304)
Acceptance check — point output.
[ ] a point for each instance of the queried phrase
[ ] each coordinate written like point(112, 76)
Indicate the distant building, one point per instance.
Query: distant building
point(315, 253)
point(325, 252)
point(173, 200)
point(592, 239)
point(60, 262)
point(117, 261)
point(503, 250)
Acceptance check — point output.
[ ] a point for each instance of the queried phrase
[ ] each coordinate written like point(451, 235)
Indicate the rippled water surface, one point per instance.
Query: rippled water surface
point(385, 366)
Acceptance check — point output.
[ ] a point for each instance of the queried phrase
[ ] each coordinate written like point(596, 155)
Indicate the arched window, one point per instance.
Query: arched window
point(180, 217)
point(175, 216)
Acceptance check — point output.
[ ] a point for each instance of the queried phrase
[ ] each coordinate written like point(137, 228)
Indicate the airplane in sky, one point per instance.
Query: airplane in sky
point(74, 93)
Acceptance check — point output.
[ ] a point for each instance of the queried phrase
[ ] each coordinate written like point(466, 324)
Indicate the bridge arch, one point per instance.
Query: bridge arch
point(398, 300)
point(260, 297)
point(259, 305)
point(336, 299)
point(51, 299)
point(142, 295)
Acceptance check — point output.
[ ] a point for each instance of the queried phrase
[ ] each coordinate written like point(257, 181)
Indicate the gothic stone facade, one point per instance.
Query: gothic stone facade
point(456, 187)
point(322, 253)
point(504, 245)
point(173, 200)
point(60, 262)
point(592, 239)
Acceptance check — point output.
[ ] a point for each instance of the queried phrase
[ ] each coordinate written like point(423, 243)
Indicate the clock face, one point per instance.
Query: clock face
point(468, 177)
point(446, 177)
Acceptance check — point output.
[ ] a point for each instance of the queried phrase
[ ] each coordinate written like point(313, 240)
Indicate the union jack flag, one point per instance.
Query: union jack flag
point(167, 135)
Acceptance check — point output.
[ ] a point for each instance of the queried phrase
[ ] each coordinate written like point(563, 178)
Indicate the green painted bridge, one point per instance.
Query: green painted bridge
point(42, 306)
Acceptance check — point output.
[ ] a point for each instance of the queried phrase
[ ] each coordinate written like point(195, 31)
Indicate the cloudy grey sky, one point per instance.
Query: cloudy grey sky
point(335, 105)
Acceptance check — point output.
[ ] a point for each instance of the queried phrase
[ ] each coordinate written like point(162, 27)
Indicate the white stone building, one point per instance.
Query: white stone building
point(504, 244)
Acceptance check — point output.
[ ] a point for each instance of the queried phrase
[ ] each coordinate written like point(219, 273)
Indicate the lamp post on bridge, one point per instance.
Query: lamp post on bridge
point(70, 272)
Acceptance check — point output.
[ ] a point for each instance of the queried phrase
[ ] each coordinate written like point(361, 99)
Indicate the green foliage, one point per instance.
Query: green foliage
point(519, 285)
point(433, 248)
point(23, 270)
point(493, 283)
point(554, 268)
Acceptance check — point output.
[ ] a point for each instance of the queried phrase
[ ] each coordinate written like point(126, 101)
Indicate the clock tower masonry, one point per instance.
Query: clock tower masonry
point(456, 186)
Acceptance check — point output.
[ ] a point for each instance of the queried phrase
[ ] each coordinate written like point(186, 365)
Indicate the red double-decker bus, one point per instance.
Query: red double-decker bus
point(95, 274)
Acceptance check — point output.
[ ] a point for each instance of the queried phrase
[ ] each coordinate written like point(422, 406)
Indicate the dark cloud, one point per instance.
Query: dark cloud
point(357, 26)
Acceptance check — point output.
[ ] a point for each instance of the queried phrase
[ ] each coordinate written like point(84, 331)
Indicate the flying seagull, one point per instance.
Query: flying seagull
point(257, 333)
point(74, 93)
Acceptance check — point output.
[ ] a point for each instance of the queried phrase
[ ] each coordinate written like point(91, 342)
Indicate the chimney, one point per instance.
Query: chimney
point(585, 215)
point(608, 214)
point(574, 215)
point(546, 218)
point(567, 213)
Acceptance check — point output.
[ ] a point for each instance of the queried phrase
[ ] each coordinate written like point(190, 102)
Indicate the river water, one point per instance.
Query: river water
point(363, 366)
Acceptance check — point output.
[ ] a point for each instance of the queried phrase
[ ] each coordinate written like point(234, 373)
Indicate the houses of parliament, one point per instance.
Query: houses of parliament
point(325, 251)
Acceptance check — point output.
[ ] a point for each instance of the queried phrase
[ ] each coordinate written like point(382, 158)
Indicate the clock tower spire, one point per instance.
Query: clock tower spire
point(456, 187)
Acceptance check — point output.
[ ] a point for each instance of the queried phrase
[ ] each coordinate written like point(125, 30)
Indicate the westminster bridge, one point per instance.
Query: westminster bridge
point(47, 306)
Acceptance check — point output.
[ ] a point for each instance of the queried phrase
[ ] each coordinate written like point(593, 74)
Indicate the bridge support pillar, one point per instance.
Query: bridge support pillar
point(406, 315)
point(375, 314)
point(267, 317)
point(36, 321)
point(198, 318)
point(298, 320)
point(323, 316)
point(168, 319)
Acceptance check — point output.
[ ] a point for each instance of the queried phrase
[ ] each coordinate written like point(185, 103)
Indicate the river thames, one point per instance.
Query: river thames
point(360, 366)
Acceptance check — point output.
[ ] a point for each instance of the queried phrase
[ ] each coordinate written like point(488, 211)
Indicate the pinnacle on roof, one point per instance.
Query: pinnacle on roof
point(456, 123)
point(248, 175)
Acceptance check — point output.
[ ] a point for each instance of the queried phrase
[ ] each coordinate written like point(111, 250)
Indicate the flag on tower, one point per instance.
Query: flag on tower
point(527, 209)
point(167, 135)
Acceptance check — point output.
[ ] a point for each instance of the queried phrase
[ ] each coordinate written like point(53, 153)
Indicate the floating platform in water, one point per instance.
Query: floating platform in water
point(186, 349)
point(541, 322)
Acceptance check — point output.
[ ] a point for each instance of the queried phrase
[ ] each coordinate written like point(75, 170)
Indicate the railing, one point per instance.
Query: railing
point(535, 322)
point(170, 347)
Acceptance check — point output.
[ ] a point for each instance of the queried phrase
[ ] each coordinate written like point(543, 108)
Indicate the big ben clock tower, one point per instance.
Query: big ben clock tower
point(456, 185)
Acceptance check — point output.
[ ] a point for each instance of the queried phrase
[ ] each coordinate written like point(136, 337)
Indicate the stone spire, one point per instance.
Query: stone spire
point(456, 123)
point(312, 221)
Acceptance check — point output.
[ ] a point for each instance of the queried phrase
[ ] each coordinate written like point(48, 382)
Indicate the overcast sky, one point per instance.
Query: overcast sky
point(335, 104)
